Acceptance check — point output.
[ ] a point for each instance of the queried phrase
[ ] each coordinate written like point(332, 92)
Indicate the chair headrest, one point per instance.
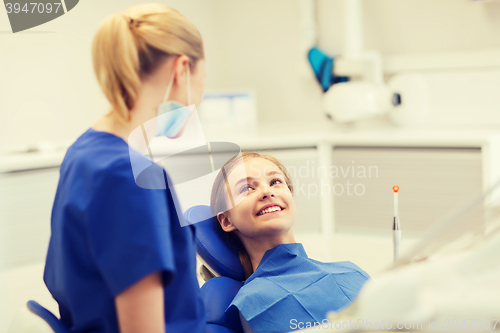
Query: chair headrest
point(212, 246)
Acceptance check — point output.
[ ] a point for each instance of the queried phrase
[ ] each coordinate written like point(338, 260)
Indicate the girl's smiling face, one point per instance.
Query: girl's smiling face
point(264, 205)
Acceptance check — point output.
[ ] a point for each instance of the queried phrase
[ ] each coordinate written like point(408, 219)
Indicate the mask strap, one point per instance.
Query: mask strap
point(170, 83)
point(189, 85)
point(169, 86)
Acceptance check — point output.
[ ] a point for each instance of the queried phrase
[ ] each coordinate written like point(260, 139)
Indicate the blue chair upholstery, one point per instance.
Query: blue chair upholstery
point(217, 292)
point(46, 315)
point(212, 247)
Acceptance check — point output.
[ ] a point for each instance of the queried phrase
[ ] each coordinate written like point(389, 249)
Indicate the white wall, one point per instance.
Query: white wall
point(415, 26)
point(259, 47)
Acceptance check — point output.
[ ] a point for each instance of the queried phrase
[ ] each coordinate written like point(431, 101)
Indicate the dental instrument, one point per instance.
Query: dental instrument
point(396, 227)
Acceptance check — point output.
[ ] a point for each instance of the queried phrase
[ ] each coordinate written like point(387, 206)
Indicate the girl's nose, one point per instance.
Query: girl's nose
point(267, 191)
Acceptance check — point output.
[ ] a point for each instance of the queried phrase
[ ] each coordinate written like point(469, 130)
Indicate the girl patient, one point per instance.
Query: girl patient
point(252, 202)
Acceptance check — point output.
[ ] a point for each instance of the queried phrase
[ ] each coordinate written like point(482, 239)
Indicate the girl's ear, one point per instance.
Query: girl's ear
point(225, 224)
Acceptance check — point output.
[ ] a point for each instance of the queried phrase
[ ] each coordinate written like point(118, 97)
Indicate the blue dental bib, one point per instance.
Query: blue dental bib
point(289, 288)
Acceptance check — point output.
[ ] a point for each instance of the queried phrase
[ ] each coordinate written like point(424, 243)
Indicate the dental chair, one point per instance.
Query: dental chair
point(220, 268)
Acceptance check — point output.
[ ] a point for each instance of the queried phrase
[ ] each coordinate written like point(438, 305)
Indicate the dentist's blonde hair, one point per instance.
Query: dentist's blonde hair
point(129, 46)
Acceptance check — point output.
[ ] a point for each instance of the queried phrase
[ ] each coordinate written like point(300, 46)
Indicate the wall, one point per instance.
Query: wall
point(259, 48)
point(415, 26)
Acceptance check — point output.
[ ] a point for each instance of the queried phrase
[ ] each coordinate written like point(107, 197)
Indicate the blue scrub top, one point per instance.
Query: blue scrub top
point(108, 233)
point(290, 291)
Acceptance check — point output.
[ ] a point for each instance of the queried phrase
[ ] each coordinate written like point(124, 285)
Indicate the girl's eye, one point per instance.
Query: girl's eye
point(276, 181)
point(245, 188)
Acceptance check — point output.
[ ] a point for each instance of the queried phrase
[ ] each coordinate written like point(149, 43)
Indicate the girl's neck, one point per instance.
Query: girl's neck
point(257, 247)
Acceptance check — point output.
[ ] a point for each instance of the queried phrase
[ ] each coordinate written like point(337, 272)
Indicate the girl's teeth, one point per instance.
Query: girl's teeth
point(271, 209)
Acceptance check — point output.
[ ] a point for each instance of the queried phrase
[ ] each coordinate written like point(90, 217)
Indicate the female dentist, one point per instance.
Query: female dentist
point(118, 258)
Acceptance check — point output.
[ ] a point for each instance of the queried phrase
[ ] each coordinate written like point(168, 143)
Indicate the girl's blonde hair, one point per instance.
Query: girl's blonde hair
point(220, 195)
point(129, 46)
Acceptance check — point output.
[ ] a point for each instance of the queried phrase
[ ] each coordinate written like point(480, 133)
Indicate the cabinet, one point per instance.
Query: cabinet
point(26, 199)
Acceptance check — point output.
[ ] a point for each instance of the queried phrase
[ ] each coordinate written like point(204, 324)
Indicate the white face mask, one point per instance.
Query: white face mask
point(172, 116)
